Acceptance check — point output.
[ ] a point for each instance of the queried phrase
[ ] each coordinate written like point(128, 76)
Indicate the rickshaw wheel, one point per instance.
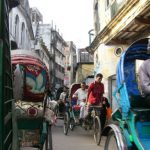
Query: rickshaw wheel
point(47, 145)
point(111, 142)
point(48, 141)
point(66, 123)
point(97, 130)
point(72, 123)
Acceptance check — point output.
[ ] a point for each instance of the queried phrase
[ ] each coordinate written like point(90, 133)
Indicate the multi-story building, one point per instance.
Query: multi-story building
point(70, 63)
point(42, 37)
point(20, 27)
point(50, 45)
point(57, 49)
point(84, 66)
point(118, 23)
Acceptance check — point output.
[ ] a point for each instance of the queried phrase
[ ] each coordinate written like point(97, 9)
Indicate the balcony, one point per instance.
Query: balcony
point(85, 57)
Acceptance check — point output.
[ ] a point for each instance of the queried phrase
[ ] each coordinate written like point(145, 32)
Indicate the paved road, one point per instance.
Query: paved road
point(79, 139)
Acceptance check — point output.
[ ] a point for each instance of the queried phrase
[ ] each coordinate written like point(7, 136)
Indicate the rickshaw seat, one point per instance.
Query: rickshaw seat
point(76, 110)
point(143, 130)
point(76, 107)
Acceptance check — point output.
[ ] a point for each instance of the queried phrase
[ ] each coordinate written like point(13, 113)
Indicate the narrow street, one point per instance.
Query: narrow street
point(78, 139)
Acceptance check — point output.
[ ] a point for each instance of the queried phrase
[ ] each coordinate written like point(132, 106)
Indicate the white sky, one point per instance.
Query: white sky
point(73, 18)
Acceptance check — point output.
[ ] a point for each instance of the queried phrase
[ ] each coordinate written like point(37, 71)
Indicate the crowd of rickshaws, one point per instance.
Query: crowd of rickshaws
point(129, 126)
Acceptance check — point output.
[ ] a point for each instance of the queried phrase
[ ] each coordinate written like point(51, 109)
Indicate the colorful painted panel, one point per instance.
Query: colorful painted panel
point(30, 78)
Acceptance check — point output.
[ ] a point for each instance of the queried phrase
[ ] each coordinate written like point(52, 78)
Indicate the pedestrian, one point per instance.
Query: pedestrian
point(105, 107)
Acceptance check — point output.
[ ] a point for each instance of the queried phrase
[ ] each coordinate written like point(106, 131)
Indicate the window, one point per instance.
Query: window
point(97, 19)
point(23, 35)
point(118, 51)
point(17, 28)
point(107, 4)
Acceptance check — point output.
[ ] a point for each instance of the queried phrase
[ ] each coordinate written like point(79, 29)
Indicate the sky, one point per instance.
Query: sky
point(73, 18)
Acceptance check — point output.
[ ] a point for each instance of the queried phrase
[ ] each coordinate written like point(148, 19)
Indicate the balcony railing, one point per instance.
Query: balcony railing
point(86, 57)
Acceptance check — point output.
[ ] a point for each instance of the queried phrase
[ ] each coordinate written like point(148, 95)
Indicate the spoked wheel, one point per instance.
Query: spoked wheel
point(111, 142)
point(66, 123)
point(72, 124)
point(97, 130)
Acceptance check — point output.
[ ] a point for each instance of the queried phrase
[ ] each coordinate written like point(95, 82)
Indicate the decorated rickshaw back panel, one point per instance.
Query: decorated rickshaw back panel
point(30, 77)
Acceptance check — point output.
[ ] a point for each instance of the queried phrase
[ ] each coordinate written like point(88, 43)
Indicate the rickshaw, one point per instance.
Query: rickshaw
point(60, 115)
point(130, 125)
point(71, 117)
point(30, 82)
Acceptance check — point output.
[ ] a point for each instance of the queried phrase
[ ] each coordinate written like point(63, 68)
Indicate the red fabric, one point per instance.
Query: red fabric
point(109, 111)
point(76, 107)
point(95, 91)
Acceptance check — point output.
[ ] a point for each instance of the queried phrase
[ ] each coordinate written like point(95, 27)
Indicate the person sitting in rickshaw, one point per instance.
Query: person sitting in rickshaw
point(81, 95)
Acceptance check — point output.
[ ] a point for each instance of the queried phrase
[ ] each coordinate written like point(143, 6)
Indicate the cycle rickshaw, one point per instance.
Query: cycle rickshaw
point(71, 117)
point(30, 83)
point(130, 127)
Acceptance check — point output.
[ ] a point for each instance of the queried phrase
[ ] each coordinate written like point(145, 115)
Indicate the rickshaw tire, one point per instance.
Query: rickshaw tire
point(110, 134)
point(48, 142)
point(66, 123)
point(97, 128)
point(71, 125)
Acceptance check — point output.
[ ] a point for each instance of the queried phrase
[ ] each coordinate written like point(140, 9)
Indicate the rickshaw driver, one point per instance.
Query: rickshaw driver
point(81, 95)
point(95, 95)
point(62, 100)
point(95, 91)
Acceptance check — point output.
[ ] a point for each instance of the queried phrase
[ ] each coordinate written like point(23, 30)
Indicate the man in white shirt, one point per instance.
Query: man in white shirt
point(81, 95)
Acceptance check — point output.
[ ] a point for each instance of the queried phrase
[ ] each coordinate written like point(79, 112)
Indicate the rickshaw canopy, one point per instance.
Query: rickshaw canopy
point(126, 73)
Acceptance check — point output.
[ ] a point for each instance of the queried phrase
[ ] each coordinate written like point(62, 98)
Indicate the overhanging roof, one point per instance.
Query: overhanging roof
point(128, 31)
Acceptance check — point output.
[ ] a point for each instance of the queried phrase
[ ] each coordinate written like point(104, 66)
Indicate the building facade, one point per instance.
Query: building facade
point(50, 45)
point(21, 33)
point(85, 65)
point(70, 63)
point(118, 23)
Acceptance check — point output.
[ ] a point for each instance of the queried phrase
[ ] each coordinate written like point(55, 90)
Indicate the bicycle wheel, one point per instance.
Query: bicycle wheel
point(97, 130)
point(72, 124)
point(66, 123)
point(111, 142)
